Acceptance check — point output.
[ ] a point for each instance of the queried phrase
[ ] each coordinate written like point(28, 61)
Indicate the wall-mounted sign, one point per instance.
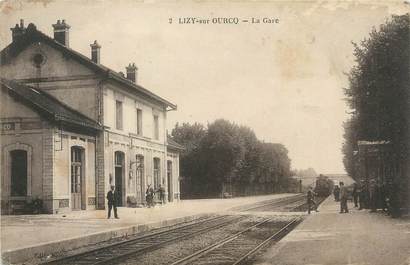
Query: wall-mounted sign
point(7, 126)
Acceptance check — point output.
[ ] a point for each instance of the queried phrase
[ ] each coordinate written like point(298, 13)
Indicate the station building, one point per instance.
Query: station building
point(71, 128)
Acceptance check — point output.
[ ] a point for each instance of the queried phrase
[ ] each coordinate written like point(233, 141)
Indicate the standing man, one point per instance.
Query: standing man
point(336, 192)
point(362, 195)
point(372, 195)
point(149, 196)
point(343, 198)
point(383, 196)
point(161, 192)
point(112, 202)
point(311, 199)
point(355, 194)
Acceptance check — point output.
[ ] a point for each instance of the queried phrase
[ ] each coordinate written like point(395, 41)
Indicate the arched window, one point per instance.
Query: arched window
point(119, 159)
point(18, 172)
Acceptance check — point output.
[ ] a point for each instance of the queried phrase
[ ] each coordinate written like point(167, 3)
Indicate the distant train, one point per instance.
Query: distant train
point(324, 186)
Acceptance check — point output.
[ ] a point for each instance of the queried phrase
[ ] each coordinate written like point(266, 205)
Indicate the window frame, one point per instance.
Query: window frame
point(139, 130)
point(156, 126)
point(119, 115)
point(156, 171)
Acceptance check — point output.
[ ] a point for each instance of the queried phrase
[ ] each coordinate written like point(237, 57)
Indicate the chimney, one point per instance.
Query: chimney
point(132, 72)
point(18, 30)
point(61, 32)
point(95, 52)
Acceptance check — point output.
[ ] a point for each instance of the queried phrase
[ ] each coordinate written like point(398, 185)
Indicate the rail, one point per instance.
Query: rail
point(144, 244)
point(118, 250)
point(224, 256)
point(277, 203)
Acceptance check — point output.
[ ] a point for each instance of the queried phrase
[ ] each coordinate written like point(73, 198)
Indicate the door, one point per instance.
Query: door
point(76, 177)
point(18, 173)
point(139, 178)
point(119, 172)
point(169, 179)
point(157, 176)
point(157, 173)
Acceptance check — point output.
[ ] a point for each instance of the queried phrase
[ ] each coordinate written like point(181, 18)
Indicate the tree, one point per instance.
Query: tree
point(378, 92)
point(224, 152)
point(190, 136)
point(226, 157)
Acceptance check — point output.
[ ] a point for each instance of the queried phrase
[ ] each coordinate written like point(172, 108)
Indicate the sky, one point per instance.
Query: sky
point(284, 80)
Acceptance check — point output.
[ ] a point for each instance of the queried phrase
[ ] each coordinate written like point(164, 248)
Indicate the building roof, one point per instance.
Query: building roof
point(47, 105)
point(373, 142)
point(32, 35)
point(173, 144)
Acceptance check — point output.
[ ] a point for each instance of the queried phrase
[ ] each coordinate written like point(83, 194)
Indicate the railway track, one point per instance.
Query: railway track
point(287, 203)
point(140, 245)
point(237, 248)
point(303, 207)
point(119, 251)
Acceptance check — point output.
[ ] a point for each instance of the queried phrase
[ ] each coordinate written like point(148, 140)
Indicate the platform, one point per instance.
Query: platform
point(328, 237)
point(26, 237)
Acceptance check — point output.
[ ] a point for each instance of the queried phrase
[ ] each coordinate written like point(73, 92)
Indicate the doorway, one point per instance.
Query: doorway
point(157, 173)
point(119, 173)
point(139, 178)
point(18, 173)
point(77, 166)
point(169, 179)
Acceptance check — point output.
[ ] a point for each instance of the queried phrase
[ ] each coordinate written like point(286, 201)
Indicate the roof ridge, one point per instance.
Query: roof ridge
point(32, 30)
point(171, 141)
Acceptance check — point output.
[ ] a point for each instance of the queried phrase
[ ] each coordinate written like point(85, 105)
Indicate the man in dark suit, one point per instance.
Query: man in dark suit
point(355, 194)
point(362, 195)
point(161, 192)
point(311, 200)
point(112, 202)
point(336, 192)
point(149, 196)
point(343, 198)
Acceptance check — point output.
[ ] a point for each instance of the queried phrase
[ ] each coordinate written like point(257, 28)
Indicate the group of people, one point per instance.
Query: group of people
point(373, 196)
point(341, 194)
point(150, 193)
point(358, 194)
point(113, 198)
